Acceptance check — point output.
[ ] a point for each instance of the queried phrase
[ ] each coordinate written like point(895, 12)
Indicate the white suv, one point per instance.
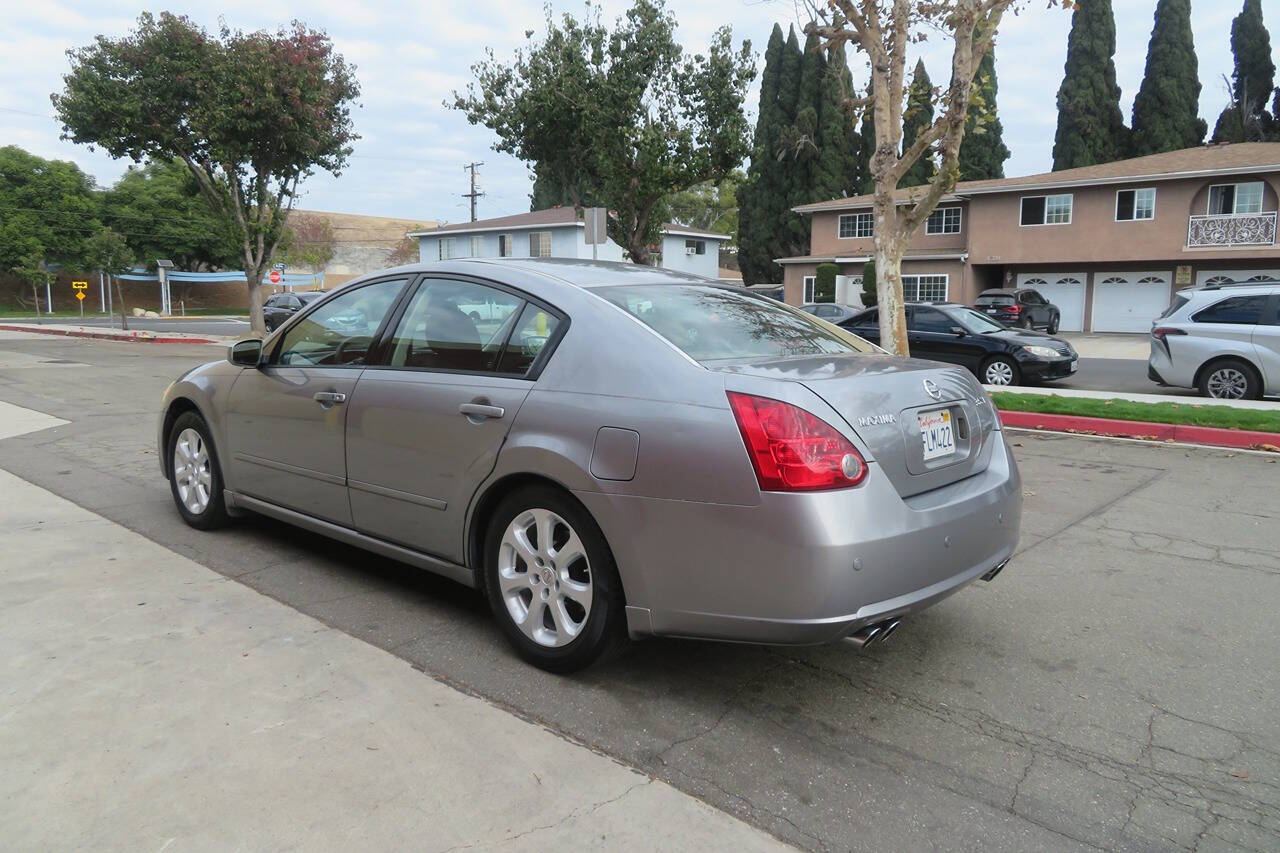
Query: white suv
point(1224, 340)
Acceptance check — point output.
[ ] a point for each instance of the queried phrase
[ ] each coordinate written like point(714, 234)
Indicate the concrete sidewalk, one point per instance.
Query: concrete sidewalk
point(148, 702)
point(104, 333)
point(1112, 345)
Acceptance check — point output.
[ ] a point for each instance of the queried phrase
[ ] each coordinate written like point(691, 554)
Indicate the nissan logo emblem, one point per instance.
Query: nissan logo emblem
point(931, 388)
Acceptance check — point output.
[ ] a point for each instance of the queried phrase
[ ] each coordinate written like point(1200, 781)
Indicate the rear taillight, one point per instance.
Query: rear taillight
point(1160, 332)
point(793, 450)
point(1014, 309)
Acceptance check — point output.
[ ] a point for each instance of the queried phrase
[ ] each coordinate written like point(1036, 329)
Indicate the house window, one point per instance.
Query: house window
point(475, 246)
point(1228, 199)
point(943, 220)
point(924, 288)
point(446, 248)
point(695, 247)
point(809, 282)
point(1046, 209)
point(856, 225)
point(504, 245)
point(1133, 205)
point(539, 244)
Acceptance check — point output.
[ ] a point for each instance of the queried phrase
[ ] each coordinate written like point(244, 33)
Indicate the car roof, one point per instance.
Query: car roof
point(1004, 291)
point(1258, 289)
point(581, 272)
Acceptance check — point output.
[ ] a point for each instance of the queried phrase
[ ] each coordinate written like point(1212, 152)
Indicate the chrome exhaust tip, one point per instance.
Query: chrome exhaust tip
point(991, 575)
point(864, 636)
point(888, 629)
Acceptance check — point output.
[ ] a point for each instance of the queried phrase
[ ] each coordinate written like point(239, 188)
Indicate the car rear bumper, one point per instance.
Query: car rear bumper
point(807, 568)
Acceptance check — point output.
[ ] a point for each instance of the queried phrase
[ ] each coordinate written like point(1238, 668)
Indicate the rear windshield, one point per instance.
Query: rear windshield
point(715, 324)
point(995, 299)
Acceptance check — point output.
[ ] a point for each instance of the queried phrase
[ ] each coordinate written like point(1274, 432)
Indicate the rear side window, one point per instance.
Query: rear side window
point(716, 324)
point(995, 299)
point(1238, 309)
point(1178, 301)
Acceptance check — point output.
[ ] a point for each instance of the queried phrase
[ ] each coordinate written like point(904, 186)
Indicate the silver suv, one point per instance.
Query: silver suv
point(1224, 341)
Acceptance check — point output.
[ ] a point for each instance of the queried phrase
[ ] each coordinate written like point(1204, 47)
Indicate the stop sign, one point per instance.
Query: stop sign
point(275, 276)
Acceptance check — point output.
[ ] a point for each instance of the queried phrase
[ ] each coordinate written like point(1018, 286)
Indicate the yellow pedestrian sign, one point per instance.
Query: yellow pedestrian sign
point(80, 295)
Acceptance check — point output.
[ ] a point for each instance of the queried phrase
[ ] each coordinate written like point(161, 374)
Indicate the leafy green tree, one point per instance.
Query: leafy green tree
point(800, 145)
point(838, 171)
point(1090, 125)
point(32, 269)
point(982, 151)
point(1246, 118)
point(308, 242)
point(109, 252)
point(250, 115)
point(824, 283)
point(624, 112)
point(161, 213)
point(710, 206)
point(758, 195)
point(46, 209)
point(1166, 110)
point(869, 291)
point(867, 138)
point(917, 118)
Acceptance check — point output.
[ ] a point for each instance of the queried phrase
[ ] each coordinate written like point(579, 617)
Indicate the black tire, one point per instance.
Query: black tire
point(214, 513)
point(1230, 373)
point(602, 632)
point(1011, 370)
point(1025, 322)
point(1054, 321)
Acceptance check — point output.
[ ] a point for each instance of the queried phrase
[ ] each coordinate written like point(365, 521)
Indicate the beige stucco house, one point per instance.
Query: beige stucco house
point(1108, 244)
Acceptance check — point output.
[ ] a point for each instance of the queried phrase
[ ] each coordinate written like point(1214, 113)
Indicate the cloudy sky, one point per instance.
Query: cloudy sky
point(409, 57)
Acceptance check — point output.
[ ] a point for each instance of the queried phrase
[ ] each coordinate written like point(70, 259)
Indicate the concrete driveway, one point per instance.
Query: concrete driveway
point(1115, 688)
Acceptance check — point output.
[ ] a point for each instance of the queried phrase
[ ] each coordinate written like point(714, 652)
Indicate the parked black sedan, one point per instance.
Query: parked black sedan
point(996, 354)
point(281, 306)
point(1022, 307)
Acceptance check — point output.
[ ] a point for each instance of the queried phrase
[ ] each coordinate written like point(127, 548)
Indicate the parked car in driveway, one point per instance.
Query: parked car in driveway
point(1225, 341)
point(993, 352)
point(281, 306)
point(629, 451)
point(1022, 307)
point(832, 312)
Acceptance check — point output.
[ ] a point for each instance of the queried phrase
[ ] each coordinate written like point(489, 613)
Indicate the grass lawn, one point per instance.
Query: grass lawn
point(1192, 414)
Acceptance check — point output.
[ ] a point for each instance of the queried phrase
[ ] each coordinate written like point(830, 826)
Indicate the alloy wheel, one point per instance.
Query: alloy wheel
point(1228, 383)
point(192, 474)
point(544, 577)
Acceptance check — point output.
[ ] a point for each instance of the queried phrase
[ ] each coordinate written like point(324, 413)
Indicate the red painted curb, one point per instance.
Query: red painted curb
point(103, 336)
point(1241, 438)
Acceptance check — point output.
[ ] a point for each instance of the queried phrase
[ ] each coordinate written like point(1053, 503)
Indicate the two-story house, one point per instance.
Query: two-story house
point(557, 232)
point(1107, 244)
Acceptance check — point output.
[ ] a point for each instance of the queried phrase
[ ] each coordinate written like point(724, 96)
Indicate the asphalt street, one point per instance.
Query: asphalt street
point(1115, 688)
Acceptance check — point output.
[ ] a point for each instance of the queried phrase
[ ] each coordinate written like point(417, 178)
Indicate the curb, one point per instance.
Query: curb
point(1183, 433)
point(134, 337)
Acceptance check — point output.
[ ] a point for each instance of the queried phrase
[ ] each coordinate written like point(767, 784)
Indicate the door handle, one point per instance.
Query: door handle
point(481, 410)
point(329, 398)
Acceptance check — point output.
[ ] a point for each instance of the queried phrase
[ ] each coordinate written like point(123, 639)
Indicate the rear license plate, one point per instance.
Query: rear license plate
point(993, 310)
point(936, 434)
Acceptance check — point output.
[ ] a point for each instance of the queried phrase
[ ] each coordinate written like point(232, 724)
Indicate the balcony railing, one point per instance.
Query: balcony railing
point(1238, 229)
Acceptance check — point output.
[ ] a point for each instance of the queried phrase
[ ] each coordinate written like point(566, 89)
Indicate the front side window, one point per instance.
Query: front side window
point(540, 244)
point(454, 325)
point(943, 220)
point(711, 324)
point(340, 331)
point(930, 320)
point(1229, 199)
point(924, 288)
point(1046, 209)
point(856, 225)
point(1133, 205)
point(1238, 309)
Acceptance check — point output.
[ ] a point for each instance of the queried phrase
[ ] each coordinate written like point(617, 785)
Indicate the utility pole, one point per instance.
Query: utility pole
point(474, 194)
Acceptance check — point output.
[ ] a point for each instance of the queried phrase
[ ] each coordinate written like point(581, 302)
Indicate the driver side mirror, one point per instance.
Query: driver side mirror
point(245, 353)
point(958, 332)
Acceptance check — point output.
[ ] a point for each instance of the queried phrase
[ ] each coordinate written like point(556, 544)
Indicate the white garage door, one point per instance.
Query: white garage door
point(1129, 301)
point(1066, 290)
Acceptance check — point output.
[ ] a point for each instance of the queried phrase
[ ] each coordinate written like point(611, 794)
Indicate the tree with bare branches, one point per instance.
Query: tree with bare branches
point(885, 31)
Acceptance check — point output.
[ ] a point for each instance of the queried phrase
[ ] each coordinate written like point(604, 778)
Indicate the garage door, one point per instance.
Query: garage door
point(1129, 301)
point(1066, 290)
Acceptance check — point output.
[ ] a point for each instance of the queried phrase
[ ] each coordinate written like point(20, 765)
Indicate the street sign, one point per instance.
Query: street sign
point(278, 267)
point(80, 295)
point(80, 285)
point(275, 276)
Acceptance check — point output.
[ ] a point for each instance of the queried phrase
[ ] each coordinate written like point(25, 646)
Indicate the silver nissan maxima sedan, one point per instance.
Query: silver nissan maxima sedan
point(607, 450)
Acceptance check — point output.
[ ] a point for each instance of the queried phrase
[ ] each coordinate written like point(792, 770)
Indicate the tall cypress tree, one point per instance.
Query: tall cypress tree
point(1246, 117)
point(801, 144)
point(754, 204)
point(867, 134)
point(1166, 109)
point(1090, 125)
point(982, 151)
point(916, 119)
point(835, 174)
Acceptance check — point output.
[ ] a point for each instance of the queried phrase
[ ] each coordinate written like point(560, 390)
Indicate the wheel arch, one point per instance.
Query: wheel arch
point(177, 407)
